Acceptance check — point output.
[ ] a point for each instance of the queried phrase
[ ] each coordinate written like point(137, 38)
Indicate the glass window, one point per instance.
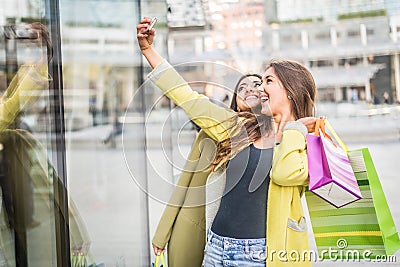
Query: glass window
point(30, 176)
point(72, 123)
point(105, 130)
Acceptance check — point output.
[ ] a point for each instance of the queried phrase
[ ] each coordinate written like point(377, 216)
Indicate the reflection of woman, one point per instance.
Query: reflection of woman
point(24, 156)
point(257, 209)
point(21, 92)
point(21, 152)
point(182, 216)
point(30, 78)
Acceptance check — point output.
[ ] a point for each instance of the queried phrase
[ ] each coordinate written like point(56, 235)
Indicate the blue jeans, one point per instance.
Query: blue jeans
point(225, 251)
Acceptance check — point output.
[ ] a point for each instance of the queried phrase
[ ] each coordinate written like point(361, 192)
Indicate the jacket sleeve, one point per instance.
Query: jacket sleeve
point(289, 165)
point(21, 92)
point(212, 118)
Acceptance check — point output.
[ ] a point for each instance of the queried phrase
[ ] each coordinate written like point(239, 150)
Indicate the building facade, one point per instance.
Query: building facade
point(351, 46)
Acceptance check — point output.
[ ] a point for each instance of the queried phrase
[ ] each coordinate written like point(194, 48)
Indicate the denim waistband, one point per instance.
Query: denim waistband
point(221, 240)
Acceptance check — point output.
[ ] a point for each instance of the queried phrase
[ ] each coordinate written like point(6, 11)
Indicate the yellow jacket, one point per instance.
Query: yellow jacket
point(182, 225)
point(21, 92)
point(287, 239)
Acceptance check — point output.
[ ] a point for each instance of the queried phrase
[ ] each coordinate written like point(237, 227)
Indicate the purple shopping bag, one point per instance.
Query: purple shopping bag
point(331, 176)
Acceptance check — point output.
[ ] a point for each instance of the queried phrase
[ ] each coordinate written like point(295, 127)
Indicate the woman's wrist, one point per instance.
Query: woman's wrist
point(152, 56)
point(146, 48)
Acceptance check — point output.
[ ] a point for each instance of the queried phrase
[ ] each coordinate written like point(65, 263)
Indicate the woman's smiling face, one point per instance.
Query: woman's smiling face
point(274, 97)
point(248, 95)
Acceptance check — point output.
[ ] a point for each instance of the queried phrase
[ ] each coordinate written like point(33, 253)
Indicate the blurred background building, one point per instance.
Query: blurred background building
point(351, 46)
point(105, 148)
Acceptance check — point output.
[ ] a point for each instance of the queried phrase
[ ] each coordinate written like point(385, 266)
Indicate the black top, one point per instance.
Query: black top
point(243, 208)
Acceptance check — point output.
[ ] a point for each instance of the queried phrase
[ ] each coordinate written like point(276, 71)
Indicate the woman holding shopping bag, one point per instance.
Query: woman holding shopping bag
point(248, 136)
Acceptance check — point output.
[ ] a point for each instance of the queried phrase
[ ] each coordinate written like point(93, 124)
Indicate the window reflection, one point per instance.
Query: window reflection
point(26, 178)
point(104, 117)
point(29, 202)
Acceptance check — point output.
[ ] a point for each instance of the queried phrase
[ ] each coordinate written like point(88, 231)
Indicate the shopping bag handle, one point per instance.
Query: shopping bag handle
point(320, 125)
point(157, 260)
point(341, 143)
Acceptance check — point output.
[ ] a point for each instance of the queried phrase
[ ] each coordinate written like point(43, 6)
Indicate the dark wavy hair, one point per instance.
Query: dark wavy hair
point(247, 127)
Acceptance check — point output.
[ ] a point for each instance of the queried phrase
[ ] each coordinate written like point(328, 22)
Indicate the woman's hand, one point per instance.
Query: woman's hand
point(309, 122)
point(158, 250)
point(145, 39)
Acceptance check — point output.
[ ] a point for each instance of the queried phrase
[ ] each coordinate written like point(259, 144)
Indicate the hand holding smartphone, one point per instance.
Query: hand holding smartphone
point(145, 38)
point(152, 23)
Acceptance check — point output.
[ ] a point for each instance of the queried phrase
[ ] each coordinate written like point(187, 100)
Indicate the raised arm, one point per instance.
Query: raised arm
point(22, 91)
point(212, 118)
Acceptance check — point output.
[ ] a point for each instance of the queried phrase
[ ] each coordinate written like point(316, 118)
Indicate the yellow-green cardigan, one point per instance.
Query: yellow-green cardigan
point(286, 227)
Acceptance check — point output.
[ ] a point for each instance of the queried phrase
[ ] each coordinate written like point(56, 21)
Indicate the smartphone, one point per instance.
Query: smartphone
point(152, 23)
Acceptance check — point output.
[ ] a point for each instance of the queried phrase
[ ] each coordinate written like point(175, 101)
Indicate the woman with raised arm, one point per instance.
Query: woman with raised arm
point(182, 226)
point(245, 219)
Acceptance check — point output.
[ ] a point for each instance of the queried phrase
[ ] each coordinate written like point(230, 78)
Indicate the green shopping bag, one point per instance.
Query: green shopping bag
point(159, 258)
point(361, 230)
point(78, 260)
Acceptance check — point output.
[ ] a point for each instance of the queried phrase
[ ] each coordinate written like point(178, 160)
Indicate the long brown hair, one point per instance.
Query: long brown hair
point(246, 128)
point(299, 84)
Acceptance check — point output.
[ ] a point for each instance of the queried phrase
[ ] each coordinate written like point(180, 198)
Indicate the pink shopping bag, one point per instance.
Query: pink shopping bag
point(331, 176)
